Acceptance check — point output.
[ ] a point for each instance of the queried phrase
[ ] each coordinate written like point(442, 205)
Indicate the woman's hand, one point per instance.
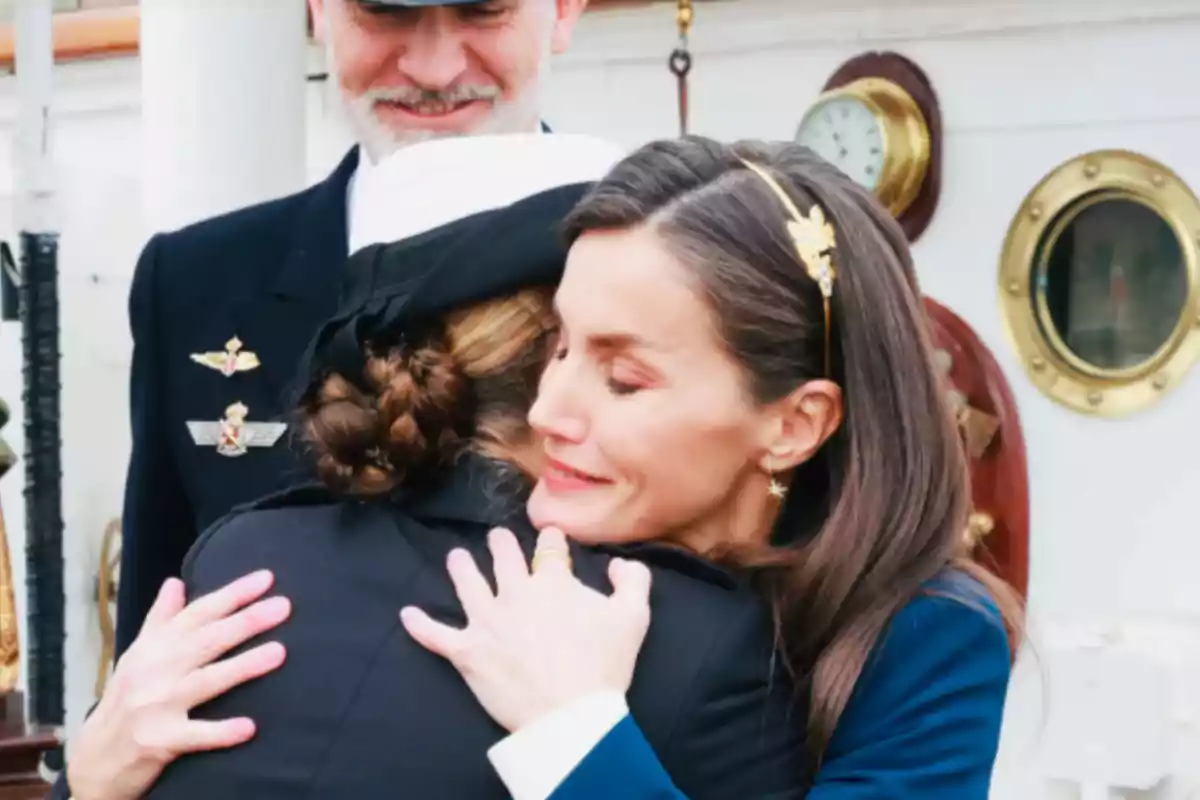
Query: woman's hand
point(543, 638)
point(141, 723)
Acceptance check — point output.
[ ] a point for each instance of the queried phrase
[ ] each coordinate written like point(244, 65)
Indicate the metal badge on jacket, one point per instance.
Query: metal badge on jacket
point(234, 359)
point(233, 435)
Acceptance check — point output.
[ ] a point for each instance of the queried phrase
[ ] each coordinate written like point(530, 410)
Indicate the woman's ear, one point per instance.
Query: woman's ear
point(799, 424)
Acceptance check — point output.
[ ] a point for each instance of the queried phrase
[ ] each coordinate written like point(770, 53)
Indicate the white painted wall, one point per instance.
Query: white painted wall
point(1023, 87)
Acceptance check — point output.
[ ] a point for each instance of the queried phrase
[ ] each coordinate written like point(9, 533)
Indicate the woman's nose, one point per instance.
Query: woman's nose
point(557, 413)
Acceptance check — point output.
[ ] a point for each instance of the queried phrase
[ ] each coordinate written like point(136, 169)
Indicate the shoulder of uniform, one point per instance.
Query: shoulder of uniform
point(215, 250)
point(202, 262)
point(240, 222)
point(306, 495)
point(213, 240)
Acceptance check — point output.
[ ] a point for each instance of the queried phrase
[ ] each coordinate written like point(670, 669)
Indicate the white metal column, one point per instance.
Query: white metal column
point(43, 631)
point(33, 164)
point(223, 105)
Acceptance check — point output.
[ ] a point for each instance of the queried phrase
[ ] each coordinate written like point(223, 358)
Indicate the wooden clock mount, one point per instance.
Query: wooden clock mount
point(911, 78)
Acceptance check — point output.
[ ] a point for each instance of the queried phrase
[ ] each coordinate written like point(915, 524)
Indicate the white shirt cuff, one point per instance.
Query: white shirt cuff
point(534, 760)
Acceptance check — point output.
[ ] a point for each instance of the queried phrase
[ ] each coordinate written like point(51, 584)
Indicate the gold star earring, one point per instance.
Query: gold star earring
point(775, 488)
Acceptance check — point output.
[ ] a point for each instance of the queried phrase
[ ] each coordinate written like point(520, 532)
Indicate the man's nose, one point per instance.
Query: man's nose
point(436, 55)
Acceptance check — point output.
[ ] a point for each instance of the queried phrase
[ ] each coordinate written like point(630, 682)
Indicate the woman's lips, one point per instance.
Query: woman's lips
point(560, 477)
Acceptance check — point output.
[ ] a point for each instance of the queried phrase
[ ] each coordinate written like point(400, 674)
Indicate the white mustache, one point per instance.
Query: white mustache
point(413, 96)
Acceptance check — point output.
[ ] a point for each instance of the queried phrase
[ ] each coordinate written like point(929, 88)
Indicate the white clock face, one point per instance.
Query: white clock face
point(846, 133)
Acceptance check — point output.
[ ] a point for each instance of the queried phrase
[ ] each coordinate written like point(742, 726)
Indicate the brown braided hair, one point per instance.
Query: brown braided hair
point(467, 385)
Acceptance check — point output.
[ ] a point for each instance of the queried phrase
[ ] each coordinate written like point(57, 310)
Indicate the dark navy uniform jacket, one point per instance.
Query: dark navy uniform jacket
point(267, 275)
point(360, 710)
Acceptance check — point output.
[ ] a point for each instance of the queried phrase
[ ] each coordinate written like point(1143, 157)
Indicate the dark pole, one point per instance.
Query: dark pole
point(43, 476)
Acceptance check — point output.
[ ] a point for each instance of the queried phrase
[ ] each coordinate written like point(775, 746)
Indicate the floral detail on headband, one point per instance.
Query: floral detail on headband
point(814, 236)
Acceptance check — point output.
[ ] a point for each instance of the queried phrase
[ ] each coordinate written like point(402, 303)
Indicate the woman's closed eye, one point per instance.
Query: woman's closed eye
point(625, 378)
point(619, 388)
point(621, 374)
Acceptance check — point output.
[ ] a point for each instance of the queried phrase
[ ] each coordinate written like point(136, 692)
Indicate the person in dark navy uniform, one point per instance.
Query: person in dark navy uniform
point(697, 268)
point(221, 311)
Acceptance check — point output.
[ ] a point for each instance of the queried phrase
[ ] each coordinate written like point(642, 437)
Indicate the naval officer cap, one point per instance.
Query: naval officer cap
point(419, 3)
point(447, 224)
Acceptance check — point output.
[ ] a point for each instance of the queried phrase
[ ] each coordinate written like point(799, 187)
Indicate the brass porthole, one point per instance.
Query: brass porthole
point(1100, 283)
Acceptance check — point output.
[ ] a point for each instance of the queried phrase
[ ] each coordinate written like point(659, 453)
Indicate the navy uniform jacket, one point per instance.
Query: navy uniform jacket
point(267, 275)
point(923, 723)
point(360, 710)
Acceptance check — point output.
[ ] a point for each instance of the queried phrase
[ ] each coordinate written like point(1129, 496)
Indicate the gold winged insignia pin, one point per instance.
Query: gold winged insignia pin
point(233, 435)
point(234, 359)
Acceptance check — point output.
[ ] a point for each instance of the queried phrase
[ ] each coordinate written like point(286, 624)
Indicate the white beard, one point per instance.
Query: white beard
point(378, 140)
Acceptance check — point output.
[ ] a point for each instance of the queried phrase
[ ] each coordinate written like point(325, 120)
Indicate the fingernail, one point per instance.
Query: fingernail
point(260, 579)
point(275, 653)
point(277, 609)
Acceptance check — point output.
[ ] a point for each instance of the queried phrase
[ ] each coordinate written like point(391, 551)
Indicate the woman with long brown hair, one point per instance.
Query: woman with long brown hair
point(742, 370)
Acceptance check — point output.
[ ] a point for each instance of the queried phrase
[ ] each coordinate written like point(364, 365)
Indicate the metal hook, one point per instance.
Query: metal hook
point(680, 60)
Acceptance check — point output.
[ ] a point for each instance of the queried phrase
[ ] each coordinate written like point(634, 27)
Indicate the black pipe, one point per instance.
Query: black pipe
point(43, 478)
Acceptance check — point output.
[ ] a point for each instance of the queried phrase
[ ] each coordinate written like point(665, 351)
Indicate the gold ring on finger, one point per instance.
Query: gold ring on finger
point(543, 554)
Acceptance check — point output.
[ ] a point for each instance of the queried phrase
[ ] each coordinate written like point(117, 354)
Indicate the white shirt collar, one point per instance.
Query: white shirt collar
point(353, 197)
point(429, 184)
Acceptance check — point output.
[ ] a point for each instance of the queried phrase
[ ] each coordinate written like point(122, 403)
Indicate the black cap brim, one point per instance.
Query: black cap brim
point(419, 3)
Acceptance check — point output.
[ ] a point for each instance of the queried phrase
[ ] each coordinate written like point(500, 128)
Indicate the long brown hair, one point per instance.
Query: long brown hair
point(882, 509)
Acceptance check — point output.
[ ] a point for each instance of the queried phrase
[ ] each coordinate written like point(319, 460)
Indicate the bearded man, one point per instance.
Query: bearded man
point(221, 311)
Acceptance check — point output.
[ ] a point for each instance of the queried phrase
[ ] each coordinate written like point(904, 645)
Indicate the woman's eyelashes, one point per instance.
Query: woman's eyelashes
point(557, 345)
point(621, 388)
point(624, 377)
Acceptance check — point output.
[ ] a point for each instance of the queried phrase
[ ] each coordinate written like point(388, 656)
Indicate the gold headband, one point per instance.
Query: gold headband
point(812, 237)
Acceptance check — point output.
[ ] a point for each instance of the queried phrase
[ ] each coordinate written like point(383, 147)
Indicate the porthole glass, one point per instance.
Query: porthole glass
point(1112, 283)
